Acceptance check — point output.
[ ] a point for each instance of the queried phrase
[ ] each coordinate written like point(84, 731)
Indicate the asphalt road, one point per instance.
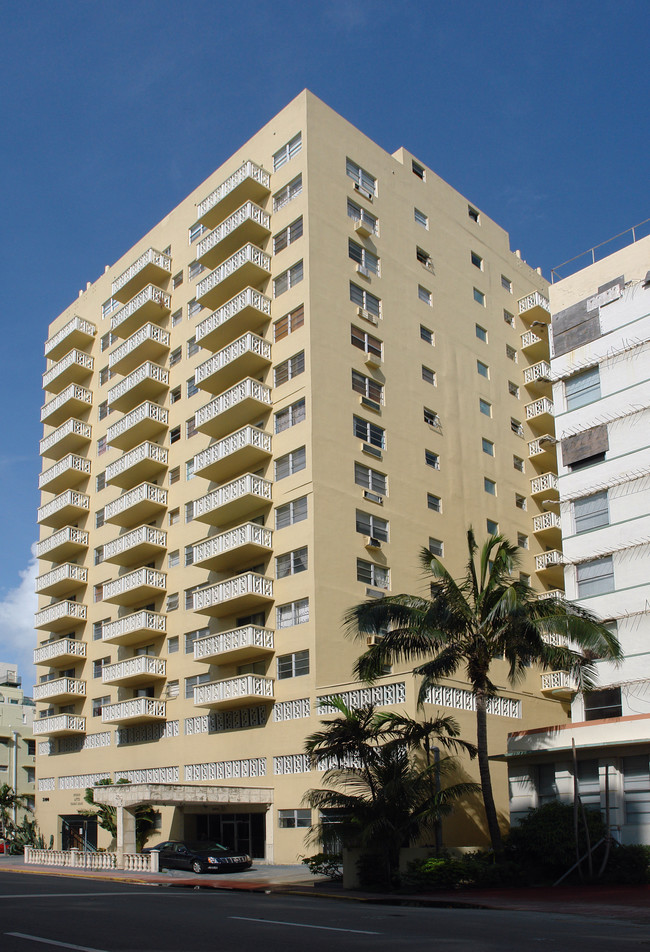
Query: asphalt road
point(41, 913)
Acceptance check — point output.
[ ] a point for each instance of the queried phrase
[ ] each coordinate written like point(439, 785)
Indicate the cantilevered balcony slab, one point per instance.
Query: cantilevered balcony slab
point(249, 310)
point(235, 547)
point(139, 545)
point(138, 465)
point(548, 528)
point(143, 669)
point(135, 629)
point(545, 485)
point(137, 710)
point(249, 182)
point(146, 382)
point(64, 509)
point(67, 473)
point(59, 725)
point(151, 266)
point(74, 367)
point(59, 652)
point(62, 545)
point(135, 587)
point(535, 346)
point(150, 342)
point(76, 333)
point(140, 504)
point(246, 592)
point(71, 402)
point(550, 567)
point(146, 422)
point(235, 646)
point(235, 692)
point(535, 307)
point(247, 266)
point(149, 304)
point(70, 436)
point(242, 404)
point(60, 690)
point(63, 580)
point(61, 616)
point(537, 378)
point(539, 414)
point(245, 496)
point(245, 449)
point(248, 223)
point(542, 450)
point(247, 356)
point(558, 684)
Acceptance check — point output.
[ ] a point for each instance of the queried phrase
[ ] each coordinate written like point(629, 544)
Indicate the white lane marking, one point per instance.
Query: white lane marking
point(303, 925)
point(62, 895)
point(61, 945)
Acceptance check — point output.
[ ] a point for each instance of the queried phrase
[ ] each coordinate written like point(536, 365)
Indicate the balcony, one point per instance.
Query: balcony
point(62, 651)
point(550, 567)
point(145, 422)
point(547, 528)
point(247, 592)
point(66, 508)
point(246, 357)
point(59, 690)
point(59, 725)
point(234, 547)
point(62, 545)
point(145, 383)
point(135, 587)
point(150, 304)
point(76, 333)
point(246, 449)
point(140, 504)
point(539, 413)
point(249, 182)
point(235, 692)
point(558, 684)
point(247, 311)
point(248, 265)
point(244, 496)
point(61, 615)
point(139, 464)
point(139, 545)
point(232, 409)
point(75, 367)
point(235, 646)
point(142, 669)
point(542, 450)
point(62, 580)
point(535, 307)
point(137, 710)
point(545, 485)
point(537, 378)
point(137, 628)
point(68, 437)
point(552, 593)
point(67, 473)
point(150, 342)
point(249, 223)
point(152, 266)
point(70, 402)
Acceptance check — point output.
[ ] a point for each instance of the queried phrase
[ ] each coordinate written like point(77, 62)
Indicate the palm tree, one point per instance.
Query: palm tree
point(145, 815)
point(9, 800)
point(467, 624)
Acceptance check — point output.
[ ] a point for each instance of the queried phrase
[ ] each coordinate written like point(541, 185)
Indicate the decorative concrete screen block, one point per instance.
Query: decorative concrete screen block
point(46, 783)
point(149, 775)
point(574, 326)
point(465, 701)
point(81, 781)
point(227, 769)
point(291, 764)
point(45, 748)
point(380, 696)
point(292, 710)
point(584, 445)
point(144, 733)
point(72, 745)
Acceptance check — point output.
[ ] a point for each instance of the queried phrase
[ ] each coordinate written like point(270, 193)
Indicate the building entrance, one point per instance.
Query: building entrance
point(242, 832)
point(78, 832)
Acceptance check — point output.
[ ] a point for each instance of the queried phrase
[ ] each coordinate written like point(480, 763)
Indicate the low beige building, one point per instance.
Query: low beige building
point(17, 744)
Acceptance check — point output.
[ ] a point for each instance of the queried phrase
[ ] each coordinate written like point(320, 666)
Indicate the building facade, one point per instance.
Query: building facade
point(17, 744)
point(321, 360)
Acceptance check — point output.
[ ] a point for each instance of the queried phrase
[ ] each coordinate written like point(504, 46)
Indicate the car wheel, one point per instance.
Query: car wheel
point(196, 867)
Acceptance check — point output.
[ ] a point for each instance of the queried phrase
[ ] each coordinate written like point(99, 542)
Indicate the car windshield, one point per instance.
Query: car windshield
point(207, 845)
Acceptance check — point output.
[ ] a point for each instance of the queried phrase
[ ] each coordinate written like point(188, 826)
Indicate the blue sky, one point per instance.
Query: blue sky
point(112, 112)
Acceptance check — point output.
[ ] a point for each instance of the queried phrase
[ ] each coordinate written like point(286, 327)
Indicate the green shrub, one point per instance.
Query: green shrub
point(544, 840)
point(473, 869)
point(325, 864)
point(627, 865)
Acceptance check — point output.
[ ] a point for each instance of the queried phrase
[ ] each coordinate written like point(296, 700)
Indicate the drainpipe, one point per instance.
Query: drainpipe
point(15, 775)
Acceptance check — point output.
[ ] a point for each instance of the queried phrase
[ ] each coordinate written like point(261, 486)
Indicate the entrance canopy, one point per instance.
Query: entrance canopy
point(178, 794)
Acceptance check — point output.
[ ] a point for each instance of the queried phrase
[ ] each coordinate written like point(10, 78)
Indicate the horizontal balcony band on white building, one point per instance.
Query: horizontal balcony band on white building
point(540, 412)
point(137, 505)
point(235, 692)
point(151, 266)
point(546, 522)
point(63, 509)
point(63, 544)
point(234, 595)
point(228, 647)
point(249, 222)
point(61, 580)
point(135, 629)
point(70, 402)
point(547, 483)
point(245, 357)
point(247, 311)
point(139, 670)
point(542, 449)
point(139, 464)
point(58, 725)
point(76, 333)
point(135, 586)
point(558, 684)
point(59, 689)
point(233, 547)
point(249, 181)
point(535, 307)
point(138, 545)
point(537, 373)
point(66, 474)
point(70, 436)
point(54, 653)
point(248, 266)
point(150, 304)
point(245, 449)
point(74, 367)
point(150, 342)
point(136, 710)
point(232, 409)
point(242, 496)
point(146, 382)
point(61, 615)
point(143, 423)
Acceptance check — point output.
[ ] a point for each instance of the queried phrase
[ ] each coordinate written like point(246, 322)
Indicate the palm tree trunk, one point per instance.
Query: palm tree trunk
point(484, 771)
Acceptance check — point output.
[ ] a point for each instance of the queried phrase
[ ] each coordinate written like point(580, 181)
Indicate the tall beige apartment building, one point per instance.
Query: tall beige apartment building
point(321, 360)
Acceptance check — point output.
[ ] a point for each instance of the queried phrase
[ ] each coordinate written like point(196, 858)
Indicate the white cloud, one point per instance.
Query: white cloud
point(17, 637)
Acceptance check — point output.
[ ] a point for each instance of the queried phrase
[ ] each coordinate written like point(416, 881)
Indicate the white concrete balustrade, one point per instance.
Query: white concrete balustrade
point(248, 170)
point(249, 301)
point(146, 411)
point(77, 859)
point(69, 463)
point(69, 534)
point(61, 648)
point(135, 709)
point(248, 254)
point(530, 301)
point(248, 436)
point(558, 680)
point(250, 583)
point(530, 338)
point(141, 578)
point(59, 724)
point(248, 344)
point(248, 389)
point(76, 359)
point(538, 408)
point(249, 534)
point(148, 371)
point(142, 494)
point(142, 536)
point(539, 371)
point(77, 328)
point(74, 394)
point(147, 300)
point(142, 666)
point(143, 620)
point(543, 444)
point(547, 482)
point(67, 500)
point(234, 689)
point(149, 257)
point(61, 574)
point(71, 428)
point(148, 332)
point(547, 559)
point(237, 641)
point(237, 489)
point(546, 520)
point(145, 451)
point(248, 212)
point(59, 687)
point(65, 610)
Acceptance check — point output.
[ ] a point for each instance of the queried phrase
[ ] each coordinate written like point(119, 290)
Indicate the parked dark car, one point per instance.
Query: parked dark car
point(200, 857)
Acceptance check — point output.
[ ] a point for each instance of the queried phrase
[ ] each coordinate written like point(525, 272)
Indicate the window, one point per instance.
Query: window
point(520, 501)
point(288, 151)
point(369, 432)
point(294, 819)
point(482, 369)
point(173, 559)
point(485, 407)
point(426, 334)
point(479, 297)
point(425, 295)
point(431, 417)
point(192, 636)
point(289, 369)
point(487, 447)
point(518, 463)
point(289, 323)
point(174, 516)
point(365, 259)
point(370, 574)
point(366, 342)
point(175, 434)
point(370, 479)
point(367, 387)
point(428, 375)
point(291, 512)
point(595, 577)
point(481, 333)
point(293, 665)
point(191, 387)
point(513, 389)
point(418, 170)
point(106, 341)
point(109, 306)
point(473, 214)
point(189, 469)
point(194, 269)
point(424, 258)
point(99, 519)
point(516, 426)
point(365, 300)
point(189, 595)
point(489, 486)
point(190, 428)
point(104, 375)
point(194, 681)
point(288, 193)
point(288, 279)
point(522, 540)
point(192, 347)
point(195, 232)
point(361, 215)
point(371, 525)
point(100, 482)
point(293, 613)
point(172, 644)
point(477, 261)
point(173, 687)
point(509, 318)
point(434, 502)
point(291, 563)
point(287, 236)
point(290, 463)
point(172, 602)
point(99, 554)
point(290, 416)
point(420, 218)
point(189, 555)
point(98, 703)
point(492, 527)
point(511, 353)
point(177, 317)
point(605, 703)
point(582, 389)
point(97, 628)
point(175, 356)
point(103, 410)
point(177, 280)
point(363, 181)
point(506, 284)
point(193, 307)
point(436, 547)
point(591, 512)
point(432, 459)
point(101, 445)
point(98, 665)
point(175, 395)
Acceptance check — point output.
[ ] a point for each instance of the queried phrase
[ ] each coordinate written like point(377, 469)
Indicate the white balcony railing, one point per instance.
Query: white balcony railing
point(249, 254)
point(535, 299)
point(148, 332)
point(547, 482)
point(146, 411)
point(143, 535)
point(538, 408)
point(145, 451)
point(69, 428)
point(247, 170)
point(145, 492)
point(538, 371)
point(247, 584)
point(248, 344)
point(75, 573)
point(248, 389)
point(558, 680)
point(142, 665)
point(69, 462)
point(248, 212)
point(69, 498)
point(75, 611)
point(147, 371)
point(141, 578)
point(248, 298)
point(143, 620)
point(530, 338)
point(67, 534)
point(74, 358)
point(134, 708)
point(59, 724)
point(232, 641)
point(546, 520)
point(542, 444)
point(76, 326)
point(150, 294)
point(59, 686)
point(63, 647)
point(229, 492)
point(231, 689)
point(73, 392)
point(150, 256)
point(247, 436)
point(248, 534)
point(548, 559)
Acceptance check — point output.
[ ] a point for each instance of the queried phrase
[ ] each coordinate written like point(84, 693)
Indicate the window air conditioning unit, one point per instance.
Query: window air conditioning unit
point(363, 191)
point(364, 272)
point(372, 360)
point(363, 228)
point(373, 497)
point(372, 543)
point(366, 315)
point(371, 640)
